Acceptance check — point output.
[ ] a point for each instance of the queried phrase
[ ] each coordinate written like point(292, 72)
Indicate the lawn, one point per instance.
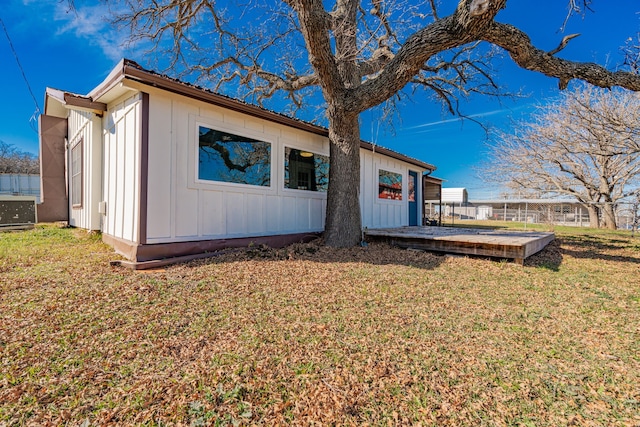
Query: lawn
point(314, 336)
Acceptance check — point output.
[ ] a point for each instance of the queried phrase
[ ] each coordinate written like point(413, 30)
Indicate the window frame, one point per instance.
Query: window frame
point(78, 146)
point(403, 179)
point(199, 183)
point(286, 145)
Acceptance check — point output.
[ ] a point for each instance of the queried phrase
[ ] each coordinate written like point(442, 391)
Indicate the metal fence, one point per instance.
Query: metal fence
point(20, 184)
point(528, 212)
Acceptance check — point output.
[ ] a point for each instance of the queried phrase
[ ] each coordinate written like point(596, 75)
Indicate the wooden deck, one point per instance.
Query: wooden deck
point(515, 245)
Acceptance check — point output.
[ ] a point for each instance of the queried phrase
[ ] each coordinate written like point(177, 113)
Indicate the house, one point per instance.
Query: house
point(164, 168)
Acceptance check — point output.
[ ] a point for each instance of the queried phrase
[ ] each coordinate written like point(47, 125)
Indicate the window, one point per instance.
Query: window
point(226, 157)
point(304, 170)
point(562, 209)
point(412, 187)
point(76, 175)
point(389, 185)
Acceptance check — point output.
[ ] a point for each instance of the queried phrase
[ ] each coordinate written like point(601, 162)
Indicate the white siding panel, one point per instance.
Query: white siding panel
point(234, 119)
point(186, 224)
point(236, 215)
point(111, 181)
point(255, 125)
point(160, 172)
point(213, 213)
point(288, 214)
point(131, 170)
point(272, 214)
point(271, 129)
point(302, 213)
point(94, 190)
point(317, 214)
point(187, 199)
point(255, 213)
point(214, 113)
point(367, 190)
point(121, 183)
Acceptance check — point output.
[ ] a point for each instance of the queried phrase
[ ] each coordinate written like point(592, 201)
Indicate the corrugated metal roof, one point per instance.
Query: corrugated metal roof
point(132, 70)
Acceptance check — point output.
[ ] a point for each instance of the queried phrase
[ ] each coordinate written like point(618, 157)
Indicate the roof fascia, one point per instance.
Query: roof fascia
point(71, 100)
point(130, 70)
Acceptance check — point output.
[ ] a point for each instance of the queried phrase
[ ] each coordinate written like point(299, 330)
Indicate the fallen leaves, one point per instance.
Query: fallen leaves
point(309, 335)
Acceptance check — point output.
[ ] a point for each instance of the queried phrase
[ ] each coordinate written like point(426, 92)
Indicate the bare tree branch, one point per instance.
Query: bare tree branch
point(519, 46)
point(586, 146)
point(358, 53)
point(563, 43)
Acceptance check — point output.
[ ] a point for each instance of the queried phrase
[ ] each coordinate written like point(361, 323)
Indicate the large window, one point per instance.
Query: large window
point(389, 185)
point(304, 170)
point(226, 157)
point(76, 175)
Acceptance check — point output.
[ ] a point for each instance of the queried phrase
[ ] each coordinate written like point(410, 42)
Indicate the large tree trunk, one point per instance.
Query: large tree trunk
point(609, 216)
point(343, 226)
point(594, 216)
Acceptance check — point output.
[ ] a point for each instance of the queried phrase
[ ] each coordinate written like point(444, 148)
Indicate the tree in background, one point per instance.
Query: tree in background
point(14, 161)
point(586, 146)
point(357, 53)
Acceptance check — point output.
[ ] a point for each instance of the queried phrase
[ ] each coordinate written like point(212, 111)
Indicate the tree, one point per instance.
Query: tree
point(587, 146)
point(14, 161)
point(359, 54)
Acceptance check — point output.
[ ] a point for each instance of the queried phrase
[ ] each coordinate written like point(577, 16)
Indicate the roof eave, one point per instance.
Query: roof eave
point(67, 100)
point(128, 69)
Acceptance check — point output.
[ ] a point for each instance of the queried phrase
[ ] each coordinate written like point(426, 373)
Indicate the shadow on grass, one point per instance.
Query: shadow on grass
point(594, 247)
point(550, 257)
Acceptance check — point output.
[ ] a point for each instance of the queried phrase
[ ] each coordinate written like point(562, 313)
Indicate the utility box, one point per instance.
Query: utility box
point(17, 212)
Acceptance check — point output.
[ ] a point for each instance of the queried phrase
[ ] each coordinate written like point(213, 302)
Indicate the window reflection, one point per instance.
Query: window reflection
point(389, 185)
point(226, 157)
point(304, 170)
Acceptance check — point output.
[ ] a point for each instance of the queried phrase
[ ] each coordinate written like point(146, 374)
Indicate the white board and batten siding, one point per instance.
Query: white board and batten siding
point(84, 130)
point(182, 207)
point(121, 175)
point(377, 212)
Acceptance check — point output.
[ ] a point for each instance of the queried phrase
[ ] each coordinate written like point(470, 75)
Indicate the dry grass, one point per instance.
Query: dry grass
point(313, 336)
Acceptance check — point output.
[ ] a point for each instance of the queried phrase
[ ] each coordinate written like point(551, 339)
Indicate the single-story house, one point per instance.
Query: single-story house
point(164, 168)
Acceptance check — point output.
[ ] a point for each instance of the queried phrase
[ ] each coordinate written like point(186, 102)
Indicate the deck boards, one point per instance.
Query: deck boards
point(509, 244)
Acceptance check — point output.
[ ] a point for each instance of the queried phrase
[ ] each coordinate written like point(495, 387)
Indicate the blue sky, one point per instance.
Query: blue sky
point(75, 51)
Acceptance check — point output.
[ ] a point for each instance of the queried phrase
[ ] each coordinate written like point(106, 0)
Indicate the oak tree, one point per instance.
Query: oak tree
point(357, 53)
point(585, 146)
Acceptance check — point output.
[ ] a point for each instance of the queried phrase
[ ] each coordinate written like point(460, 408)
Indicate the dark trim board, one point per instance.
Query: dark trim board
point(160, 254)
point(515, 245)
point(144, 169)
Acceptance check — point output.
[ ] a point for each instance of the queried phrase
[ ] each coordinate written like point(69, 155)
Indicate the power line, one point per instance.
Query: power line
point(24, 76)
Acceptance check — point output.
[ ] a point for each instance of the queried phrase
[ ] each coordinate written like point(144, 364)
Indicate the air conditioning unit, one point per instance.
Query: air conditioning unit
point(17, 212)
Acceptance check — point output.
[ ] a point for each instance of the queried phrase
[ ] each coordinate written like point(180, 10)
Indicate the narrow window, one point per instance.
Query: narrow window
point(304, 170)
point(76, 175)
point(389, 185)
point(226, 157)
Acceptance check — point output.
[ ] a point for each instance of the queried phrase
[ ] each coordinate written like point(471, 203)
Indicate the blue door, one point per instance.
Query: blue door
point(413, 198)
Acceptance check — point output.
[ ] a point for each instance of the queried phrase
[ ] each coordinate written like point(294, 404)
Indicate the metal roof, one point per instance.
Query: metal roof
point(131, 70)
